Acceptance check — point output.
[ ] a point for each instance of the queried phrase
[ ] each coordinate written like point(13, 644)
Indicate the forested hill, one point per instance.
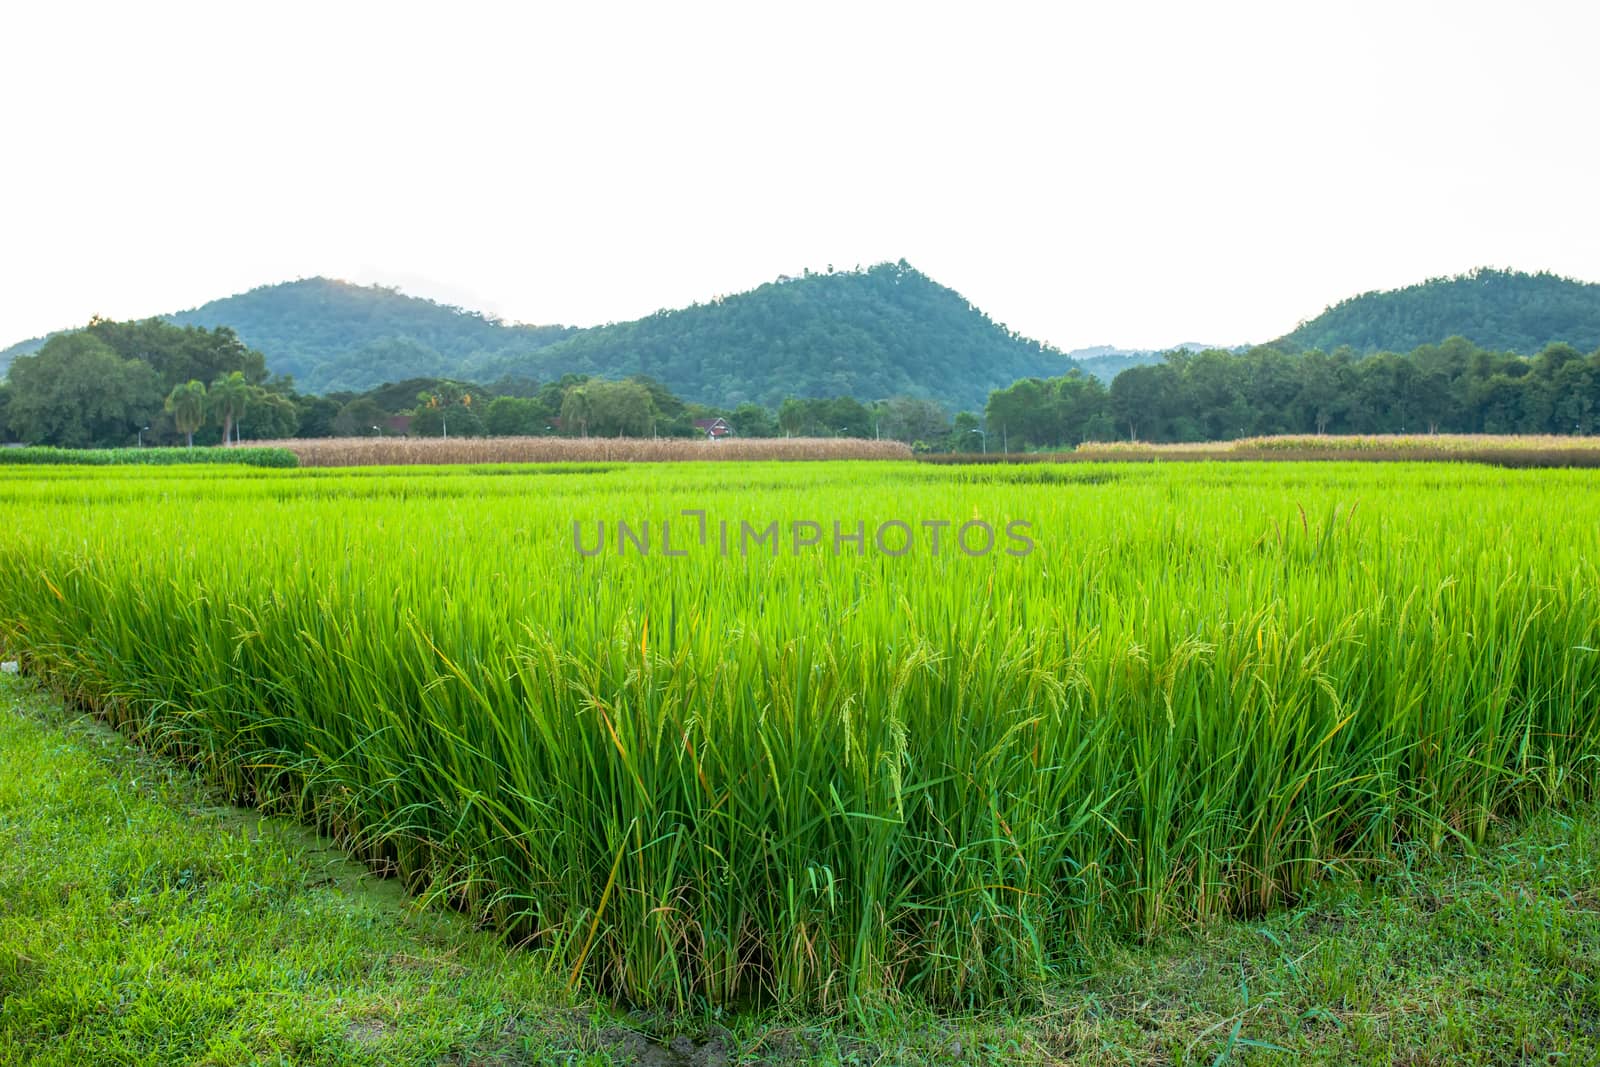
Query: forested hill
point(333, 335)
point(1499, 310)
point(887, 330)
point(884, 331)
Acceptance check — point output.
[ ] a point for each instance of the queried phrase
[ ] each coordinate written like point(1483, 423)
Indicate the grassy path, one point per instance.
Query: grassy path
point(142, 923)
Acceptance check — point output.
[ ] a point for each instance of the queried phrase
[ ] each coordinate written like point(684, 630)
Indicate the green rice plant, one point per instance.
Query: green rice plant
point(825, 778)
point(38, 455)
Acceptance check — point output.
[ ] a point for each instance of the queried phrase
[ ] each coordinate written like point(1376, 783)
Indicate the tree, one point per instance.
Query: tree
point(844, 416)
point(1138, 397)
point(791, 416)
point(575, 410)
point(1270, 383)
point(1024, 410)
point(315, 415)
point(76, 392)
point(228, 399)
point(361, 417)
point(456, 421)
point(273, 417)
point(553, 394)
point(753, 420)
point(513, 416)
point(963, 428)
point(447, 401)
point(619, 409)
point(519, 386)
point(1213, 385)
point(664, 403)
point(1080, 404)
point(909, 419)
point(1050, 413)
point(1323, 395)
point(1453, 386)
point(181, 353)
point(1500, 401)
point(1577, 385)
point(187, 406)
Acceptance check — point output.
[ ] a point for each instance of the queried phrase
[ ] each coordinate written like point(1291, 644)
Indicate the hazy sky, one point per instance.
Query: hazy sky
point(1131, 174)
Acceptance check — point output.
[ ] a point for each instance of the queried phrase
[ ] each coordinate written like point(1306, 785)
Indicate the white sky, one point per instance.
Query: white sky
point(1132, 174)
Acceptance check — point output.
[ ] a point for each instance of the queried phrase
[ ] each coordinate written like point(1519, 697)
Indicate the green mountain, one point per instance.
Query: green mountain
point(888, 330)
point(333, 335)
point(1500, 310)
point(884, 331)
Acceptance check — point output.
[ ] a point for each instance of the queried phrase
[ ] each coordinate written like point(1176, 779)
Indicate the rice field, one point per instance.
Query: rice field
point(714, 734)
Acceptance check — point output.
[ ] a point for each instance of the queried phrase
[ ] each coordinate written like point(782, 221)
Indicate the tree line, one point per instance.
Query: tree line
point(150, 382)
point(114, 384)
point(583, 406)
point(1450, 387)
point(120, 383)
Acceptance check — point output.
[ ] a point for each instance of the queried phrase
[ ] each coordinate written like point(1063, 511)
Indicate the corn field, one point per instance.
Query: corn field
point(1517, 450)
point(1418, 443)
point(808, 773)
point(396, 451)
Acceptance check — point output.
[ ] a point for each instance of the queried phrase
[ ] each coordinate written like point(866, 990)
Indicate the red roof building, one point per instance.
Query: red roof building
point(715, 429)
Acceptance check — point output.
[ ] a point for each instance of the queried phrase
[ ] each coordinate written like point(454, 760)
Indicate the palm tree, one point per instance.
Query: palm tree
point(229, 397)
point(442, 398)
point(187, 406)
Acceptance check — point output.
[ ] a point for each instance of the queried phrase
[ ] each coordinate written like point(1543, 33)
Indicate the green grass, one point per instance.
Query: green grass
point(142, 922)
point(839, 783)
point(38, 455)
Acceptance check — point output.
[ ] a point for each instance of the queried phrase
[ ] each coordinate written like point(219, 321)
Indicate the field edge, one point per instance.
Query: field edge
point(1441, 961)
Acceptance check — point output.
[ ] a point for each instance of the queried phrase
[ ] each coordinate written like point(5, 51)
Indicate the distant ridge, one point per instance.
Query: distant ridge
point(1501, 310)
point(1106, 361)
